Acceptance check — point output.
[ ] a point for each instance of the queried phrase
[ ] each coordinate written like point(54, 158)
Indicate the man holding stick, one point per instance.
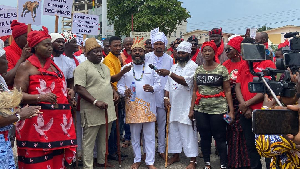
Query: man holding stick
point(179, 88)
point(141, 108)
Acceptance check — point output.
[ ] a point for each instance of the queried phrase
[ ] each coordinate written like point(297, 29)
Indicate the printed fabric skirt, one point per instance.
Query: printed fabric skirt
point(7, 160)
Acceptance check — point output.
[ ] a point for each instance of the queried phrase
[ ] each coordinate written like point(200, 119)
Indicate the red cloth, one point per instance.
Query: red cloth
point(266, 45)
point(236, 43)
point(104, 55)
point(78, 53)
point(18, 28)
point(76, 61)
point(13, 54)
point(35, 37)
point(195, 55)
point(129, 58)
point(215, 31)
point(244, 77)
point(284, 44)
point(54, 129)
point(199, 96)
point(4, 38)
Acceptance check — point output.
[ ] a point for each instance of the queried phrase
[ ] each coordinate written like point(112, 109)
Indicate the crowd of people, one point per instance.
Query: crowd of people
point(58, 99)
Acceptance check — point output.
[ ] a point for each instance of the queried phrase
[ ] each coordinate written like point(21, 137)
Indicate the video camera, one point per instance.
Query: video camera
point(252, 52)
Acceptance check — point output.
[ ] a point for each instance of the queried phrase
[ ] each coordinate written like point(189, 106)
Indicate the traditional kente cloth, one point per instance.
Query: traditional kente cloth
point(275, 146)
point(49, 139)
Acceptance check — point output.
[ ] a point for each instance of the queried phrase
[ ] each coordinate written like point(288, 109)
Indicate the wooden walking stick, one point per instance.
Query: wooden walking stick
point(118, 135)
point(106, 137)
point(167, 133)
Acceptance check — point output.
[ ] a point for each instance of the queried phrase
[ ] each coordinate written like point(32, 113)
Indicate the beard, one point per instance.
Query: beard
point(58, 51)
point(183, 61)
point(138, 61)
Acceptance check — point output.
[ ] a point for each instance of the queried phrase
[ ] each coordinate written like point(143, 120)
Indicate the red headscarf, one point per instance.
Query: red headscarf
point(213, 45)
point(236, 43)
point(35, 37)
point(4, 38)
point(18, 28)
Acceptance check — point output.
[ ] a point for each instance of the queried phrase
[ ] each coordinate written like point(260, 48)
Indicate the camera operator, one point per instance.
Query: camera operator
point(251, 101)
point(283, 149)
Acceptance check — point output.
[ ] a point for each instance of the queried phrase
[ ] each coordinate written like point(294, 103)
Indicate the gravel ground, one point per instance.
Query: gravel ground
point(159, 162)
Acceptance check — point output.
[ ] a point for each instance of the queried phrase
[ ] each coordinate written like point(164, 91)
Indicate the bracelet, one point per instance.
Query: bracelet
point(170, 73)
point(38, 98)
point(166, 98)
point(18, 116)
point(265, 108)
point(95, 101)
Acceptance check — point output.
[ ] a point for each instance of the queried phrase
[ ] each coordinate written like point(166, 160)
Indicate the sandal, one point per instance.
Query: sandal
point(126, 144)
point(207, 165)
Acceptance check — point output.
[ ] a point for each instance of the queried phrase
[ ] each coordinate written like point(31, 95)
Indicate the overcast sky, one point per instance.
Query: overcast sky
point(234, 16)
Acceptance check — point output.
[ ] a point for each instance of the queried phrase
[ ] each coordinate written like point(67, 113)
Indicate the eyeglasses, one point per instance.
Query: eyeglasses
point(228, 50)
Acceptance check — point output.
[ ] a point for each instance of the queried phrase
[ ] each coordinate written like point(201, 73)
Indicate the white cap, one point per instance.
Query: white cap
point(100, 43)
point(55, 36)
point(184, 47)
point(2, 51)
point(156, 36)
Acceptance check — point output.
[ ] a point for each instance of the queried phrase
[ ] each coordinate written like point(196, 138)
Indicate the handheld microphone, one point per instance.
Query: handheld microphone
point(152, 67)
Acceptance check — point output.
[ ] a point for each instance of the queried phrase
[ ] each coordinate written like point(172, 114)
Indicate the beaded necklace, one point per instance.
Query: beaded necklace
point(141, 75)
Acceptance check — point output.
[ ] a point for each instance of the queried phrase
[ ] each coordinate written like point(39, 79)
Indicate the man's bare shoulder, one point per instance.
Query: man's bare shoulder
point(27, 68)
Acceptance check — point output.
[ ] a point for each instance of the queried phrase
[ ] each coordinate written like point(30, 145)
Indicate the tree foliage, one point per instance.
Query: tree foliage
point(147, 14)
point(263, 28)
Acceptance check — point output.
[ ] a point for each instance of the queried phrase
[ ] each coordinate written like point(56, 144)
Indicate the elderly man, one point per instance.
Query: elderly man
point(92, 82)
point(17, 52)
point(141, 108)
point(125, 56)
point(216, 35)
point(48, 140)
point(179, 88)
point(160, 60)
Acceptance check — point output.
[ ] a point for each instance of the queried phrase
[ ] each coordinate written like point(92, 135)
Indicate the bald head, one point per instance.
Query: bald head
point(127, 43)
point(261, 37)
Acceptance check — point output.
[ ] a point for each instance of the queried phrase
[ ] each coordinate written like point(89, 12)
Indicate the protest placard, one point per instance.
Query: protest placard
point(6, 18)
point(58, 7)
point(85, 24)
point(29, 12)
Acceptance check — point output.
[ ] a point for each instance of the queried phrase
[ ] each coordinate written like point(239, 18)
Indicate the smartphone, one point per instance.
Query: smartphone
point(275, 122)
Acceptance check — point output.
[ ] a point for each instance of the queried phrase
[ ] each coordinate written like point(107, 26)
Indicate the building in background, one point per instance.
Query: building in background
point(202, 35)
point(276, 35)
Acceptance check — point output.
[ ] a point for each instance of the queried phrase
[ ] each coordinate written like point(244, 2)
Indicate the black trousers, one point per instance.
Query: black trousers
point(250, 142)
point(210, 125)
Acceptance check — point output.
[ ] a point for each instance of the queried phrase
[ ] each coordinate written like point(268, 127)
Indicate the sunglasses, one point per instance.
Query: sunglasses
point(228, 50)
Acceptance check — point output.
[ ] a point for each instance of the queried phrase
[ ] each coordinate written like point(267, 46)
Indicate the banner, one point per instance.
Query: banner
point(6, 18)
point(29, 12)
point(145, 35)
point(85, 24)
point(61, 8)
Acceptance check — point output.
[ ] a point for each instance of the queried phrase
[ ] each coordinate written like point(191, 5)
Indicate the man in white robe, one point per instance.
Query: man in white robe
point(160, 60)
point(178, 95)
point(141, 113)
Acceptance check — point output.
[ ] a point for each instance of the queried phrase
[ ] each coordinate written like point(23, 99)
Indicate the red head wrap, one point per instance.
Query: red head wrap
point(236, 43)
point(213, 45)
point(215, 31)
point(4, 38)
point(35, 37)
point(18, 28)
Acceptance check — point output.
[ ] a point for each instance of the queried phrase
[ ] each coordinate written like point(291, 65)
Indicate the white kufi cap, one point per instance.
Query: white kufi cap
point(156, 36)
point(184, 47)
point(55, 36)
point(100, 43)
point(2, 51)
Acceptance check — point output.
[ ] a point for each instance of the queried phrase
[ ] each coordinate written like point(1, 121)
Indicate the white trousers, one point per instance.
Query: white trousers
point(161, 129)
point(149, 143)
point(182, 136)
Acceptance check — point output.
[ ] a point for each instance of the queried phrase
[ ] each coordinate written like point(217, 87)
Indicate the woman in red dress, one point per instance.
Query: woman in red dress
point(48, 140)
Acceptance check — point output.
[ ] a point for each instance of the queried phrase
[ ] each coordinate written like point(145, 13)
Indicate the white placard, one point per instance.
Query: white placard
point(85, 24)
point(58, 7)
point(29, 12)
point(145, 35)
point(79, 39)
point(6, 18)
point(2, 7)
point(253, 33)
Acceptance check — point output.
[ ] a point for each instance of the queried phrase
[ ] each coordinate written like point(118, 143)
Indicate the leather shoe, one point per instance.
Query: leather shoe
point(115, 157)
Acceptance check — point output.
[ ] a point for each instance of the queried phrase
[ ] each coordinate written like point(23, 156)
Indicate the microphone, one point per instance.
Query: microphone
point(152, 67)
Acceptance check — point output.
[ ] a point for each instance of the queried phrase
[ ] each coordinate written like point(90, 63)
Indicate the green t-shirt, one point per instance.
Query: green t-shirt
point(211, 83)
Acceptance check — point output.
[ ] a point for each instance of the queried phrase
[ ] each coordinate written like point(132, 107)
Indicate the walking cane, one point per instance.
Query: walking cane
point(73, 110)
point(106, 136)
point(167, 133)
point(118, 135)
